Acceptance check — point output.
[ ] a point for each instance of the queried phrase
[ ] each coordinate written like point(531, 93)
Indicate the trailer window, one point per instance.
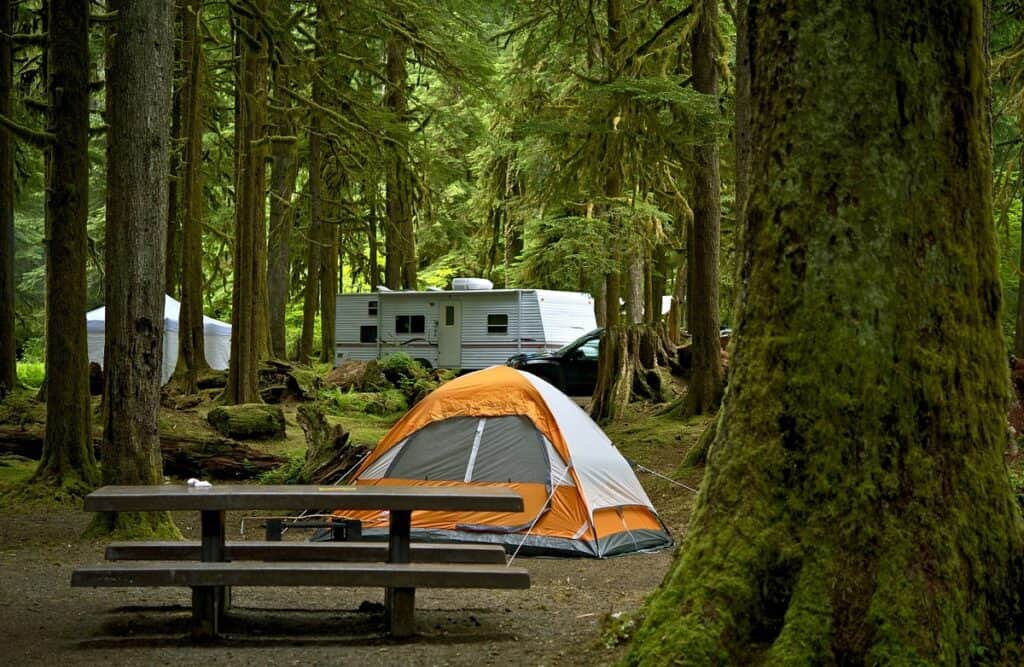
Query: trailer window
point(371, 308)
point(406, 324)
point(368, 334)
point(497, 323)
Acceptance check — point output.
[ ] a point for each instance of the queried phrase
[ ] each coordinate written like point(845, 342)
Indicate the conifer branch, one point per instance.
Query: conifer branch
point(36, 138)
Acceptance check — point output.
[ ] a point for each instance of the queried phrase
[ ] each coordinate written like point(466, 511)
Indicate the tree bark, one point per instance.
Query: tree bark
point(250, 339)
point(67, 461)
point(328, 286)
point(172, 258)
point(284, 170)
point(191, 333)
point(1018, 337)
point(856, 508)
point(704, 391)
point(400, 240)
point(136, 241)
point(8, 360)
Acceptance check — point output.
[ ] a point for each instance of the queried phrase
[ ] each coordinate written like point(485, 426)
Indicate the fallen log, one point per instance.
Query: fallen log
point(184, 456)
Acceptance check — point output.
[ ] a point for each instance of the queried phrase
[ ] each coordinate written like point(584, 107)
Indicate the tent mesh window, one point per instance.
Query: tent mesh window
point(473, 449)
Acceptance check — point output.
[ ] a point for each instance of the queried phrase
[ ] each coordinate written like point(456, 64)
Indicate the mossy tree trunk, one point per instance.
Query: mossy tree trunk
point(856, 508)
point(400, 240)
point(284, 171)
point(250, 336)
point(136, 240)
point(8, 363)
point(311, 295)
point(705, 387)
point(172, 257)
point(67, 460)
point(191, 341)
point(1018, 337)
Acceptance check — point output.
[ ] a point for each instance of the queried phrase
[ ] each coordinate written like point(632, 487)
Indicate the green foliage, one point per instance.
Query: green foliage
point(288, 473)
point(386, 402)
point(31, 374)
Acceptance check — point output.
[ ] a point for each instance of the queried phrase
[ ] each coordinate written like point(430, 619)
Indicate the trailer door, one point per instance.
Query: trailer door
point(449, 336)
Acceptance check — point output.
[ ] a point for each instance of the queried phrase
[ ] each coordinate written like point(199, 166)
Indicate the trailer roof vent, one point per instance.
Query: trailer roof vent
point(471, 284)
point(382, 288)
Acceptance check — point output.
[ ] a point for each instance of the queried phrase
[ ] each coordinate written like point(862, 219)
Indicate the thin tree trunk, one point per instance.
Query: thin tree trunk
point(191, 333)
point(8, 360)
point(67, 461)
point(706, 383)
point(370, 194)
point(172, 259)
point(856, 507)
point(250, 336)
point(136, 241)
point(328, 282)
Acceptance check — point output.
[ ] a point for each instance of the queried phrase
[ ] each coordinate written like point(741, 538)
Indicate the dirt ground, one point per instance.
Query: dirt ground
point(560, 620)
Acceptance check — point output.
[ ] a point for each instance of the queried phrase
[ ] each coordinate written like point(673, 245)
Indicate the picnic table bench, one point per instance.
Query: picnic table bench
point(399, 566)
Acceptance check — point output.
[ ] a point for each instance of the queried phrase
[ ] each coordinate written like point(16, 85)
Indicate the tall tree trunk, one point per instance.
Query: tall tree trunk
point(191, 333)
point(284, 170)
point(136, 232)
point(8, 360)
point(311, 296)
point(400, 266)
point(856, 507)
point(635, 293)
point(1018, 337)
point(328, 284)
point(250, 336)
point(67, 459)
point(370, 195)
point(705, 387)
point(172, 258)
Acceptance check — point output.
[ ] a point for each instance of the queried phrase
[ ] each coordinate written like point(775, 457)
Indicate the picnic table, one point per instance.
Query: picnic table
point(213, 574)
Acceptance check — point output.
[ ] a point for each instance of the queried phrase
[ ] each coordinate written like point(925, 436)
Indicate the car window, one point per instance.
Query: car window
point(591, 349)
point(579, 341)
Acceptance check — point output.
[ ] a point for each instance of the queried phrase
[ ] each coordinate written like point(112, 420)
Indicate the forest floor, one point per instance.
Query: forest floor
point(573, 614)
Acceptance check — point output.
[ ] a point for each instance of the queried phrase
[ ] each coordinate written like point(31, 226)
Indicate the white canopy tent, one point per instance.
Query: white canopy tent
point(217, 338)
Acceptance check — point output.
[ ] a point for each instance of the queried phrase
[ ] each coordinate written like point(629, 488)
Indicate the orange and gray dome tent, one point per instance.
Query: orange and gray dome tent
point(503, 427)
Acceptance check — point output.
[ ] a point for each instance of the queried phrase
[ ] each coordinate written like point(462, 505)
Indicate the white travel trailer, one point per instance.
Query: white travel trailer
point(468, 327)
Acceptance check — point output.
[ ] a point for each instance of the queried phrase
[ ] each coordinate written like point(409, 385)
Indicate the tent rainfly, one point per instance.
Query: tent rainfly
point(216, 338)
point(502, 427)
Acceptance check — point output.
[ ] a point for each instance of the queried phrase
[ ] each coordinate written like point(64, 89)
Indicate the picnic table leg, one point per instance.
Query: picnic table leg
point(400, 602)
point(208, 602)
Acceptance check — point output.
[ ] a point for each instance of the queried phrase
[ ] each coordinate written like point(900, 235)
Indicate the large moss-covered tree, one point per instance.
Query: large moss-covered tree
point(67, 460)
point(139, 87)
point(856, 509)
point(8, 365)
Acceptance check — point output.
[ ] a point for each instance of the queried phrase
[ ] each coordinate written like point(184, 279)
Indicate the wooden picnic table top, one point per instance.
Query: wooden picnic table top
point(154, 498)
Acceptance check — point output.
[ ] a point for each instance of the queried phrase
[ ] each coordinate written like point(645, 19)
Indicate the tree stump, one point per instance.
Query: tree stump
point(329, 454)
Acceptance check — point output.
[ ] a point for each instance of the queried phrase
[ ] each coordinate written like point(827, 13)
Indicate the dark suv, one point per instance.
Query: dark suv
point(572, 368)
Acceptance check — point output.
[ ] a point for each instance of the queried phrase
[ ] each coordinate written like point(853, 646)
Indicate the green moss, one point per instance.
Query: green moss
point(133, 526)
point(387, 402)
point(248, 420)
point(855, 508)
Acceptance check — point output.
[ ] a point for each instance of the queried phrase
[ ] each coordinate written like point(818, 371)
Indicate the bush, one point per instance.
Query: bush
point(31, 373)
